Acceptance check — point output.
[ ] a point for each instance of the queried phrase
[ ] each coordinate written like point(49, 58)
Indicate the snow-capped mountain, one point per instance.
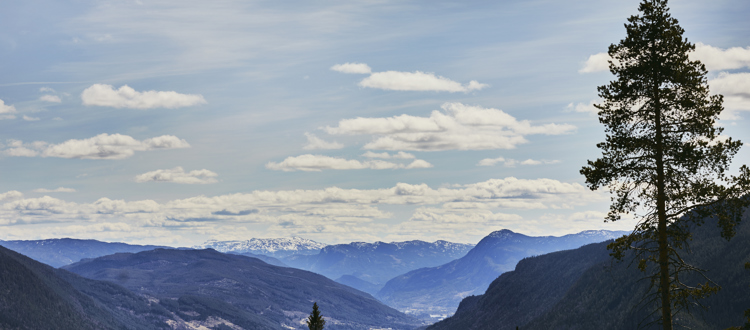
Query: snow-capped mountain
point(275, 247)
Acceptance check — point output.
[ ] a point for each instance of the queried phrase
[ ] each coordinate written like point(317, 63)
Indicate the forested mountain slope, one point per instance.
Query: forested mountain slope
point(438, 290)
point(241, 289)
point(585, 289)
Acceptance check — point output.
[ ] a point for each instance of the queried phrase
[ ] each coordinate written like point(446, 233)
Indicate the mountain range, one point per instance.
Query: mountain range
point(585, 289)
point(437, 291)
point(368, 266)
point(59, 252)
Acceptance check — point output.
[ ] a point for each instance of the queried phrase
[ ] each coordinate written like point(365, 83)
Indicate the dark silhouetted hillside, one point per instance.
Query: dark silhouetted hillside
point(35, 296)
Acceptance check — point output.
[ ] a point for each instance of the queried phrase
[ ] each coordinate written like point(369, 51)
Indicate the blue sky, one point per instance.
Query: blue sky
point(174, 122)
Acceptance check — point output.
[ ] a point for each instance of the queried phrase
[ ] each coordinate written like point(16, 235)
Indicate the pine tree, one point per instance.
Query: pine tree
point(664, 159)
point(315, 321)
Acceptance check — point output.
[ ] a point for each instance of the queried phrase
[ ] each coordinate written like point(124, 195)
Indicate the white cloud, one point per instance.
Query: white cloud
point(714, 58)
point(50, 98)
point(178, 175)
point(7, 111)
point(58, 190)
point(316, 163)
point(595, 63)
point(491, 161)
point(314, 142)
point(360, 68)
point(417, 81)
point(458, 127)
point(127, 97)
point(721, 59)
point(10, 195)
point(46, 90)
point(102, 146)
point(731, 84)
point(29, 118)
point(418, 163)
point(583, 107)
point(736, 90)
point(385, 155)
point(513, 162)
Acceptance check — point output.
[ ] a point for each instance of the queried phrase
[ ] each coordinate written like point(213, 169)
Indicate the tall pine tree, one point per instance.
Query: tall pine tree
point(315, 321)
point(664, 159)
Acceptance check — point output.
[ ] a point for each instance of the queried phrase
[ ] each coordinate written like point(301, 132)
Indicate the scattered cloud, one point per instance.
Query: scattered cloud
point(714, 58)
point(102, 146)
point(458, 127)
point(385, 155)
point(29, 118)
point(316, 163)
point(314, 142)
point(513, 162)
point(417, 81)
point(46, 90)
point(595, 63)
point(7, 111)
point(583, 107)
point(50, 98)
point(58, 190)
point(10, 195)
point(736, 90)
point(721, 59)
point(359, 68)
point(178, 175)
point(407, 81)
point(127, 97)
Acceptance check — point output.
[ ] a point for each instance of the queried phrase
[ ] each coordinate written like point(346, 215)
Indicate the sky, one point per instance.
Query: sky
point(175, 122)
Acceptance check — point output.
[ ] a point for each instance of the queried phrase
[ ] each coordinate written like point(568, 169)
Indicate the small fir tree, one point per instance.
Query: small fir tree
point(315, 321)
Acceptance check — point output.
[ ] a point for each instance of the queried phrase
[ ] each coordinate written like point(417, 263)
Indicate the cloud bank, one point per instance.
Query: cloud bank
point(469, 210)
point(102, 146)
point(178, 175)
point(458, 127)
point(127, 97)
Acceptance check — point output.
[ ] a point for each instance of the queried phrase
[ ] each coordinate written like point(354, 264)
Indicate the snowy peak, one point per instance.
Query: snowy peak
point(267, 246)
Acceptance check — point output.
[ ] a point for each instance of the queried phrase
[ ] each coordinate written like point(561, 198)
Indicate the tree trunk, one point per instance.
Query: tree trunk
point(664, 281)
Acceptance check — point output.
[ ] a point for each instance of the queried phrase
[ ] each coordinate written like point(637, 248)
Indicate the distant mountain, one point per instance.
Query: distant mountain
point(585, 289)
point(36, 296)
point(274, 247)
point(241, 290)
point(376, 263)
point(265, 258)
point(438, 290)
point(59, 252)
